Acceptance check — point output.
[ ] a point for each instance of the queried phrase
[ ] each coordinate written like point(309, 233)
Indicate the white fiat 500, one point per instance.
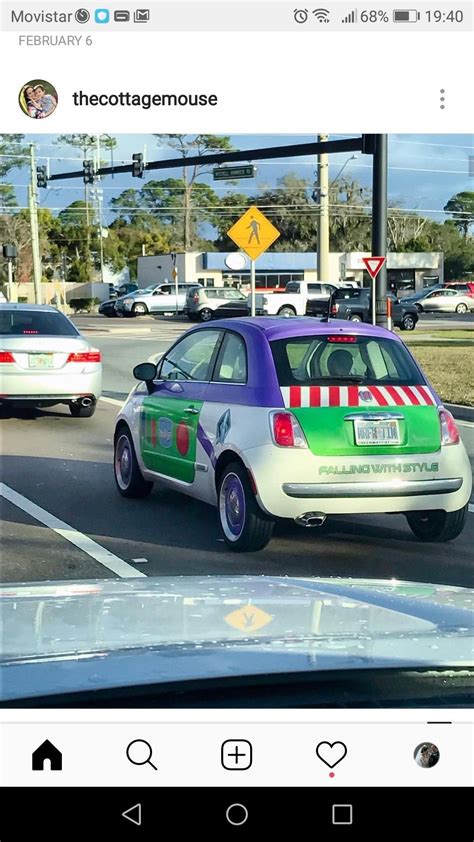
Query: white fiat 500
point(270, 418)
point(44, 360)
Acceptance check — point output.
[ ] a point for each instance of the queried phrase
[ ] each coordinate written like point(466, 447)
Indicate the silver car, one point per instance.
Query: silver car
point(219, 302)
point(159, 299)
point(44, 360)
point(444, 300)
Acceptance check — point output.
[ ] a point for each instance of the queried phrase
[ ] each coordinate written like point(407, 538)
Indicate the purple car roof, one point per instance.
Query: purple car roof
point(283, 327)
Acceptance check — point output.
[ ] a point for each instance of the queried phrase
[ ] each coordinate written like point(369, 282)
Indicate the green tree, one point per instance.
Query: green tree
point(7, 197)
point(188, 146)
point(13, 153)
point(461, 207)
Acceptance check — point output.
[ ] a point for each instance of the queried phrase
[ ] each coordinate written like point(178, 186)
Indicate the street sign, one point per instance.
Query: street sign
point(253, 233)
point(232, 173)
point(373, 265)
point(248, 618)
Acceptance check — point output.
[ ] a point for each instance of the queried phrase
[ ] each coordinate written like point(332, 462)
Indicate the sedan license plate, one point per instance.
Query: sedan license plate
point(376, 432)
point(40, 360)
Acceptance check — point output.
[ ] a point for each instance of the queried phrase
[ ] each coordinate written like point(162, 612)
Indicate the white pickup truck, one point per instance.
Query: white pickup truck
point(294, 301)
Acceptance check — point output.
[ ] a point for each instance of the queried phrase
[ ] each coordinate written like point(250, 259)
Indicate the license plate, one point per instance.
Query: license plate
point(376, 432)
point(40, 360)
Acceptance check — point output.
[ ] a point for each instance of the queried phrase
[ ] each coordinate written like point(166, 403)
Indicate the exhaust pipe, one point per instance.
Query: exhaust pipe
point(310, 519)
point(86, 401)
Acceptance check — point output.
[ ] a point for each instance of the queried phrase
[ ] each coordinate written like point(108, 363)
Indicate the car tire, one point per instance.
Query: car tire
point(139, 309)
point(78, 411)
point(205, 315)
point(355, 318)
point(286, 311)
point(437, 525)
point(408, 323)
point(244, 526)
point(461, 309)
point(128, 476)
point(419, 307)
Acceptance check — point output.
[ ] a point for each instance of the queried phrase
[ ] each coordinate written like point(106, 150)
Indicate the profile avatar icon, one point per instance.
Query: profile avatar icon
point(426, 755)
point(38, 99)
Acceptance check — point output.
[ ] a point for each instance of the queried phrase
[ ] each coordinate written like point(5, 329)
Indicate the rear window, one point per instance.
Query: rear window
point(292, 286)
point(35, 323)
point(316, 360)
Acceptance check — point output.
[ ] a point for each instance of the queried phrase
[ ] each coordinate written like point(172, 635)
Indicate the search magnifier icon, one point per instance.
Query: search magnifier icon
point(139, 752)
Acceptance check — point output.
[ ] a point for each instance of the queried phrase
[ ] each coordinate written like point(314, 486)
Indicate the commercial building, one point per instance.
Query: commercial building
point(405, 270)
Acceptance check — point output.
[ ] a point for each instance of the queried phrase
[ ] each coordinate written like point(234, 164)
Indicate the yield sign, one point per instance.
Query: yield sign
point(253, 233)
point(373, 265)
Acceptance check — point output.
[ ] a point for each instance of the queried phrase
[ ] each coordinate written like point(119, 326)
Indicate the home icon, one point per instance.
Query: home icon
point(44, 753)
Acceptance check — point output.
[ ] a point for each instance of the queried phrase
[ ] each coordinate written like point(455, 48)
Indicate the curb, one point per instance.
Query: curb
point(462, 413)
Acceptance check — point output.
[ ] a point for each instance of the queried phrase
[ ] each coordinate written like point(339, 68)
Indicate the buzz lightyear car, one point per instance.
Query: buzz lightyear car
point(268, 418)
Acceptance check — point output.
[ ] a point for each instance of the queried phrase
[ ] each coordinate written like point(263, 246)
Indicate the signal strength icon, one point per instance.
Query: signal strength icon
point(321, 15)
point(351, 18)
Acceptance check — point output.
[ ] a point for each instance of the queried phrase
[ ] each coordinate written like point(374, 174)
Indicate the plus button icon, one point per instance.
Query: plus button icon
point(236, 755)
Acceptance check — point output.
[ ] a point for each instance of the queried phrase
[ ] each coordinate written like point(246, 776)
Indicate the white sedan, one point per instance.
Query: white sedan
point(44, 360)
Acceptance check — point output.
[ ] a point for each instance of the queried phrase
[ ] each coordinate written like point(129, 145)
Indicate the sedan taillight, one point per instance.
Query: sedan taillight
point(90, 356)
point(6, 357)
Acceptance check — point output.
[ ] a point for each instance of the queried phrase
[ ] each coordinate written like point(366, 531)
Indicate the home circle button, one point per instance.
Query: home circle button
point(237, 814)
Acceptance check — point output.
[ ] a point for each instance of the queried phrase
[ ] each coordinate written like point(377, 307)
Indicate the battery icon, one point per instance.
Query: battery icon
point(406, 16)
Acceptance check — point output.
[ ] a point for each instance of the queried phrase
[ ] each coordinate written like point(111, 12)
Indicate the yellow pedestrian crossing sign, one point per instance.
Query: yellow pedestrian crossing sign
point(253, 233)
point(249, 618)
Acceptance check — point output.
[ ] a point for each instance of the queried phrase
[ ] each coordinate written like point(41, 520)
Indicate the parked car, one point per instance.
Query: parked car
point(44, 360)
point(203, 304)
point(123, 289)
point(443, 300)
point(107, 308)
point(317, 294)
point(160, 298)
point(356, 306)
point(467, 287)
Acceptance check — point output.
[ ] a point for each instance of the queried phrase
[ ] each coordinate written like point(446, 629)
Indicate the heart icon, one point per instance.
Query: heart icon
point(331, 753)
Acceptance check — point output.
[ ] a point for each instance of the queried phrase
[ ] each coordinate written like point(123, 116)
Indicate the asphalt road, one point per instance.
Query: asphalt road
point(63, 518)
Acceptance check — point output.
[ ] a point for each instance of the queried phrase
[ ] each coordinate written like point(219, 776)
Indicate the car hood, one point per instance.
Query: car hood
point(68, 636)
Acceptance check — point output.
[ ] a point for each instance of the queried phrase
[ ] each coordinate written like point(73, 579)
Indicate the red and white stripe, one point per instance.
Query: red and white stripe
point(320, 396)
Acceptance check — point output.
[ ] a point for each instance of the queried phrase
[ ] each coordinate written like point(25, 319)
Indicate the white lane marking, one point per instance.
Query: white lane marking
point(470, 508)
point(83, 542)
point(140, 560)
point(111, 400)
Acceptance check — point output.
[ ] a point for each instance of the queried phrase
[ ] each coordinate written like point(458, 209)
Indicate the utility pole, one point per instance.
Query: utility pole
point(323, 222)
point(379, 225)
point(33, 206)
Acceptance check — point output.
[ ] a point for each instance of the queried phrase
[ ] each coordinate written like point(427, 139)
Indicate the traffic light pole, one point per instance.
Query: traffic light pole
point(323, 218)
point(379, 224)
point(35, 247)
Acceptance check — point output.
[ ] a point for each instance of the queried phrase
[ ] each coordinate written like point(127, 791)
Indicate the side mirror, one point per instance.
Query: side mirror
point(146, 372)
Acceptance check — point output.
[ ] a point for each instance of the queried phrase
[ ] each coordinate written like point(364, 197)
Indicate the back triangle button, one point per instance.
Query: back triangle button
point(134, 814)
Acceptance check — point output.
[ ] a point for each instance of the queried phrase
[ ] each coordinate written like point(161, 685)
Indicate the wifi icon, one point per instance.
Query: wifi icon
point(321, 15)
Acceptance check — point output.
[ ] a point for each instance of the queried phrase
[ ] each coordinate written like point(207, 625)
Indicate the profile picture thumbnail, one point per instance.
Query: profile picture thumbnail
point(426, 755)
point(38, 99)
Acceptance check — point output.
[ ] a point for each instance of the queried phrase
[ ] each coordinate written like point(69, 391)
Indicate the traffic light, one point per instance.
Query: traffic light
point(88, 167)
point(41, 176)
point(138, 165)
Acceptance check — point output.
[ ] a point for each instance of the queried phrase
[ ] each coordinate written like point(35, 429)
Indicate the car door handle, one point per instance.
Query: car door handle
point(191, 410)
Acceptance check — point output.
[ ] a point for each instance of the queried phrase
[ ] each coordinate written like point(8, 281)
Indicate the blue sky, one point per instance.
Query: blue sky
point(424, 170)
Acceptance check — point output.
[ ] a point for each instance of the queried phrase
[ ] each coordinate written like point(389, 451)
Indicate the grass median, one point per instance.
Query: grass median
point(450, 367)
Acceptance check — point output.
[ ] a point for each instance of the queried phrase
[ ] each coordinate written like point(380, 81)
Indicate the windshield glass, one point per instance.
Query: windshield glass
point(309, 360)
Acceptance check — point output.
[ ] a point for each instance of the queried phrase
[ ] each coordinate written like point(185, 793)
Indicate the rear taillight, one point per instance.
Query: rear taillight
point(342, 338)
point(90, 356)
point(449, 430)
point(334, 309)
point(196, 297)
point(6, 357)
point(286, 431)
